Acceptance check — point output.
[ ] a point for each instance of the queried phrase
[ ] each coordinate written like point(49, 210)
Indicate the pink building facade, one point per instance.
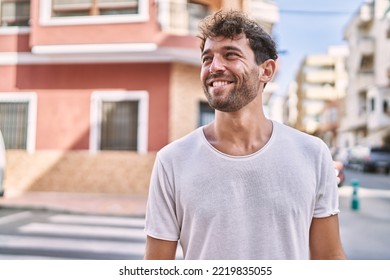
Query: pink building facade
point(88, 84)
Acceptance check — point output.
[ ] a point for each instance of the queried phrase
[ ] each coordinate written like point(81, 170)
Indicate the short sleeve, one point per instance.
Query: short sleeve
point(327, 200)
point(161, 219)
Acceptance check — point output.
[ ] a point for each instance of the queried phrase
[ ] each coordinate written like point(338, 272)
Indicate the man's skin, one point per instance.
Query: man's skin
point(233, 84)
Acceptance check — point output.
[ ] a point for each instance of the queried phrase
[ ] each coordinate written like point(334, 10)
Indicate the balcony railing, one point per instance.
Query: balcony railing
point(182, 16)
point(179, 17)
point(64, 8)
point(265, 12)
point(322, 93)
point(366, 14)
point(365, 80)
point(320, 76)
point(366, 45)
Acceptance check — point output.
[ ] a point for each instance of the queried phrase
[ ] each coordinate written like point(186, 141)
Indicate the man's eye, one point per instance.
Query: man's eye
point(206, 59)
point(231, 55)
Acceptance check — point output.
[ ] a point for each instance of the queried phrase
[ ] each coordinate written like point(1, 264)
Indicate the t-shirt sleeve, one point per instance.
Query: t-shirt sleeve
point(327, 200)
point(161, 220)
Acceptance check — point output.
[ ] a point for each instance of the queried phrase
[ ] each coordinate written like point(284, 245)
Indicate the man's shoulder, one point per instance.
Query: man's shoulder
point(290, 134)
point(182, 145)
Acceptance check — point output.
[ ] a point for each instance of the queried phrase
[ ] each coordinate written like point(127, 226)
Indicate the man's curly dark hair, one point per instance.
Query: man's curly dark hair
point(230, 24)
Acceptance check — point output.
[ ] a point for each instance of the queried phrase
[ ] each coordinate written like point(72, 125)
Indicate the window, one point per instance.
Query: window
point(64, 8)
point(367, 63)
point(119, 125)
point(17, 120)
point(386, 107)
point(372, 104)
point(196, 12)
point(14, 12)
point(119, 121)
point(72, 12)
point(362, 103)
point(206, 113)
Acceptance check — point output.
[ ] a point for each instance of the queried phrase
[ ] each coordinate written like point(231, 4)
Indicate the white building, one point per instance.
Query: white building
point(367, 111)
point(315, 96)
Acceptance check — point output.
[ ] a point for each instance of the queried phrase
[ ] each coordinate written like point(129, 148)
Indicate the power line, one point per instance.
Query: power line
point(316, 13)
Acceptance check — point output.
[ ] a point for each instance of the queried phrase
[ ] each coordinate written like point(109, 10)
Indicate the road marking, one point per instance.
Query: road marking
point(346, 191)
point(15, 217)
point(72, 245)
point(101, 220)
point(79, 230)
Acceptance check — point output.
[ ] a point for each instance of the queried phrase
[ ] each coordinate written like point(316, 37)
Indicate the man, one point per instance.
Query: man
point(242, 187)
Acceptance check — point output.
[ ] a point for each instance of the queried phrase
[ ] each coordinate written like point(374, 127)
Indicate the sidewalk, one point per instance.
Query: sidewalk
point(135, 205)
point(365, 232)
point(107, 204)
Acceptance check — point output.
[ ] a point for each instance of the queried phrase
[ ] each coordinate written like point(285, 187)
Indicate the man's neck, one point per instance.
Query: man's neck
point(239, 133)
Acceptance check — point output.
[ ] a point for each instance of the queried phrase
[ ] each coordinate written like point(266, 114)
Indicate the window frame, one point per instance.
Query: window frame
point(45, 18)
point(97, 99)
point(28, 17)
point(31, 99)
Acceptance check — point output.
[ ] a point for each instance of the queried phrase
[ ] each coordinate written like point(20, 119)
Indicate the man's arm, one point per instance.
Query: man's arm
point(157, 249)
point(325, 243)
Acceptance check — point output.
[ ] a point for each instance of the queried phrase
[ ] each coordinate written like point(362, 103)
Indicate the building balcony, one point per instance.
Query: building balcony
point(313, 109)
point(320, 60)
point(181, 17)
point(366, 45)
point(320, 77)
point(265, 12)
point(365, 79)
point(366, 14)
point(322, 93)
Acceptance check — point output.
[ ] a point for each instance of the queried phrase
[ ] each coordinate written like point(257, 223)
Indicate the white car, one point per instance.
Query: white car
point(2, 164)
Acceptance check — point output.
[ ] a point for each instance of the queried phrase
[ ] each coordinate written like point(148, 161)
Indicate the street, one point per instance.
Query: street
point(365, 232)
point(368, 180)
point(35, 234)
point(50, 234)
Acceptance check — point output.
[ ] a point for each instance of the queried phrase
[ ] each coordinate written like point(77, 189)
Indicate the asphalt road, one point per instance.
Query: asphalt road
point(365, 231)
point(39, 234)
point(368, 180)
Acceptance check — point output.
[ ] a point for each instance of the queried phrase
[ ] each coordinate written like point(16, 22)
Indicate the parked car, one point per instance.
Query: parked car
point(378, 160)
point(356, 156)
point(2, 164)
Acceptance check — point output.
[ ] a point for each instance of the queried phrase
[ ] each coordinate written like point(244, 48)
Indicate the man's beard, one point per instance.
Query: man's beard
point(238, 97)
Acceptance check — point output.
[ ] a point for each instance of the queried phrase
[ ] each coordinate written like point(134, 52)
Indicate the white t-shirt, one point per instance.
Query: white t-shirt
point(258, 206)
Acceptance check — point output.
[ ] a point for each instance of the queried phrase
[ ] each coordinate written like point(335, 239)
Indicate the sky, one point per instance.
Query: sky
point(308, 27)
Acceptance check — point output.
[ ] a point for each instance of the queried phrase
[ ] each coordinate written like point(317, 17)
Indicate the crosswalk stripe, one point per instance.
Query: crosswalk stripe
point(80, 230)
point(14, 217)
point(101, 220)
point(73, 236)
point(53, 244)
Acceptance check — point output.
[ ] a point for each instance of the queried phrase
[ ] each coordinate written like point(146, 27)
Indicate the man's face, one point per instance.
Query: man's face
point(229, 74)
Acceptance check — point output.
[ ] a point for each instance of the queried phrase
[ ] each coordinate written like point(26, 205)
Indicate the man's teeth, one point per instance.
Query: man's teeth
point(219, 83)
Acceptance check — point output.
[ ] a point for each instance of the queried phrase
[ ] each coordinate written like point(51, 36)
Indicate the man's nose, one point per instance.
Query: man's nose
point(217, 65)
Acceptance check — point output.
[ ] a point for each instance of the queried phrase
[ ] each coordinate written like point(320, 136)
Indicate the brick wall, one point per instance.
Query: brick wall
point(185, 94)
point(78, 171)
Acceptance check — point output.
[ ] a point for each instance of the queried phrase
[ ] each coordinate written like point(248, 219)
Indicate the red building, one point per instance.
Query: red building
point(81, 80)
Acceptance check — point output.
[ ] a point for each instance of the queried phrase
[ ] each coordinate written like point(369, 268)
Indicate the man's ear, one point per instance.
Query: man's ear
point(267, 70)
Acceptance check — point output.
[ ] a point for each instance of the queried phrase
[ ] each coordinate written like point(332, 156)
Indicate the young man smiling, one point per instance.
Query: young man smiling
point(243, 186)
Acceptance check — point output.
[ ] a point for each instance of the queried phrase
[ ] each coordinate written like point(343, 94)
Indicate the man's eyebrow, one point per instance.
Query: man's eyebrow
point(232, 48)
point(205, 52)
point(226, 48)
